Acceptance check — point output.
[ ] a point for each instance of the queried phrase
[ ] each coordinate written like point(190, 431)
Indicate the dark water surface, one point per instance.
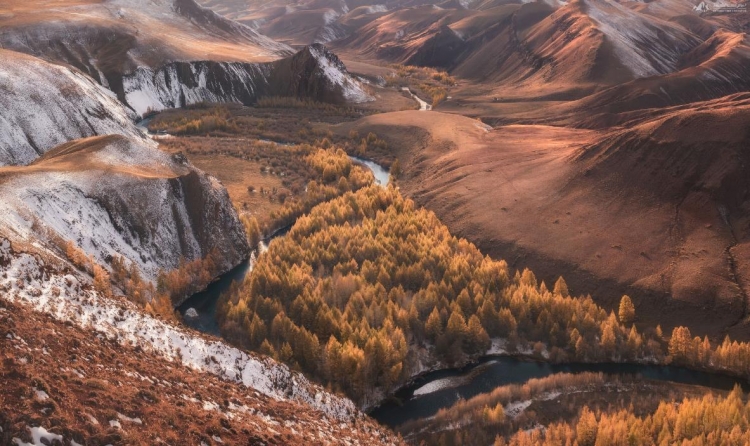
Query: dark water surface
point(445, 387)
point(205, 301)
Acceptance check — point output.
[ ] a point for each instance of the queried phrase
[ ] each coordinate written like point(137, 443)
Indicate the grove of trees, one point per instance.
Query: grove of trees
point(364, 284)
point(711, 420)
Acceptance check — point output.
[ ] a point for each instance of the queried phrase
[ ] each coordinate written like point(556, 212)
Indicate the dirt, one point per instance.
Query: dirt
point(97, 392)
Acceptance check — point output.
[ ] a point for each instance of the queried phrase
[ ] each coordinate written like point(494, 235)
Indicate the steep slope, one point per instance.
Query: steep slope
point(586, 41)
point(313, 73)
point(718, 67)
point(45, 105)
point(297, 23)
point(114, 196)
point(77, 367)
point(106, 39)
point(398, 35)
point(658, 211)
point(538, 47)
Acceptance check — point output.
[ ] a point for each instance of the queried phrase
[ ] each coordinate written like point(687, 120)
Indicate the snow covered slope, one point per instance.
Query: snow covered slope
point(105, 392)
point(114, 196)
point(269, 387)
point(314, 73)
point(107, 38)
point(44, 105)
point(645, 45)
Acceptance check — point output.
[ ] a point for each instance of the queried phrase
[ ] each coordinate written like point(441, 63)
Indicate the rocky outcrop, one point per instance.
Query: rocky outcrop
point(313, 73)
point(111, 196)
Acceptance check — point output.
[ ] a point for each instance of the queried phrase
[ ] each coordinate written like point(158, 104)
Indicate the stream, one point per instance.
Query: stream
point(423, 106)
point(440, 389)
point(199, 310)
point(432, 391)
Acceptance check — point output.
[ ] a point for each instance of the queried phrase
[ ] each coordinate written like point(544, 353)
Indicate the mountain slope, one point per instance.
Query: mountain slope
point(106, 39)
point(313, 73)
point(130, 378)
point(114, 196)
point(45, 105)
point(657, 210)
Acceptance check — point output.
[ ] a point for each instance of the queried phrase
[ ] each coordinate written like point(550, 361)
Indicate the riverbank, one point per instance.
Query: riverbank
point(202, 305)
point(430, 391)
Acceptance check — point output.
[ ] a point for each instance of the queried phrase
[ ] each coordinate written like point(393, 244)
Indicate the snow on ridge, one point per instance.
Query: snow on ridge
point(335, 71)
point(374, 9)
point(148, 89)
point(27, 280)
point(132, 200)
point(179, 84)
point(646, 47)
point(68, 204)
point(45, 105)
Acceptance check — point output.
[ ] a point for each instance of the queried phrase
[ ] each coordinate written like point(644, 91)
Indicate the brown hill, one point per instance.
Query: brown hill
point(88, 389)
point(658, 211)
point(106, 39)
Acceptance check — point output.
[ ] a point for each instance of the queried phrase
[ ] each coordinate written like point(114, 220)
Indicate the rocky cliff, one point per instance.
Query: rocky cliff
point(313, 73)
point(111, 195)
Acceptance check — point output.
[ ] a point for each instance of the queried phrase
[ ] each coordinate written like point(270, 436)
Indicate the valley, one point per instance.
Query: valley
point(345, 222)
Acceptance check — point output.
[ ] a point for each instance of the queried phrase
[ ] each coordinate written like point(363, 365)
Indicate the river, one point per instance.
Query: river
point(435, 390)
point(204, 303)
point(440, 389)
point(423, 106)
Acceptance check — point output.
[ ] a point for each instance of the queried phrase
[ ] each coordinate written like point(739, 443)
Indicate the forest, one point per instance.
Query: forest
point(710, 420)
point(500, 414)
point(366, 288)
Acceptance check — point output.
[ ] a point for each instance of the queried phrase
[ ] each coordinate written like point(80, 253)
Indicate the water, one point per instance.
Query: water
point(423, 106)
point(382, 176)
point(205, 301)
point(442, 389)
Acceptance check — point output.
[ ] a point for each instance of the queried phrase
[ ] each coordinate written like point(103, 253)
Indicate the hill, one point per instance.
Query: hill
point(656, 211)
point(45, 105)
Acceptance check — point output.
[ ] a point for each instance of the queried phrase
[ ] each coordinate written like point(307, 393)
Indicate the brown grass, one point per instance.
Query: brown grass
point(91, 380)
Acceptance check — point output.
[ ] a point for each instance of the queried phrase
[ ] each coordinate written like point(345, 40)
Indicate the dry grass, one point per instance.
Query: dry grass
point(91, 381)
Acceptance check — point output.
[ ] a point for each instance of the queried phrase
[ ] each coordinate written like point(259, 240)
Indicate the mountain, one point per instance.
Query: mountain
point(312, 73)
point(45, 105)
point(106, 39)
point(114, 196)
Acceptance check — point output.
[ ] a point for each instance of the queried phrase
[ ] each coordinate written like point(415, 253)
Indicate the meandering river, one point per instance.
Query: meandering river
point(433, 391)
point(202, 305)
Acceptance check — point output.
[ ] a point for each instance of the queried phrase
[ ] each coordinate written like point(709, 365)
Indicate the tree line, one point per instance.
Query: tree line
point(366, 283)
point(710, 420)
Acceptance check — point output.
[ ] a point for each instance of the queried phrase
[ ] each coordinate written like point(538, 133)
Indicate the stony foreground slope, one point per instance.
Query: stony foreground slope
point(84, 370)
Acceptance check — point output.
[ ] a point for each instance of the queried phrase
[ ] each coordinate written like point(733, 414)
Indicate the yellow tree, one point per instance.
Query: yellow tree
point(627, 310)
point(586, 429)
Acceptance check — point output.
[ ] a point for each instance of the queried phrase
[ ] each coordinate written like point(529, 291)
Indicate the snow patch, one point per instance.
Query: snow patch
point(337, 75)
point(44, 105)
point(26, 280)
